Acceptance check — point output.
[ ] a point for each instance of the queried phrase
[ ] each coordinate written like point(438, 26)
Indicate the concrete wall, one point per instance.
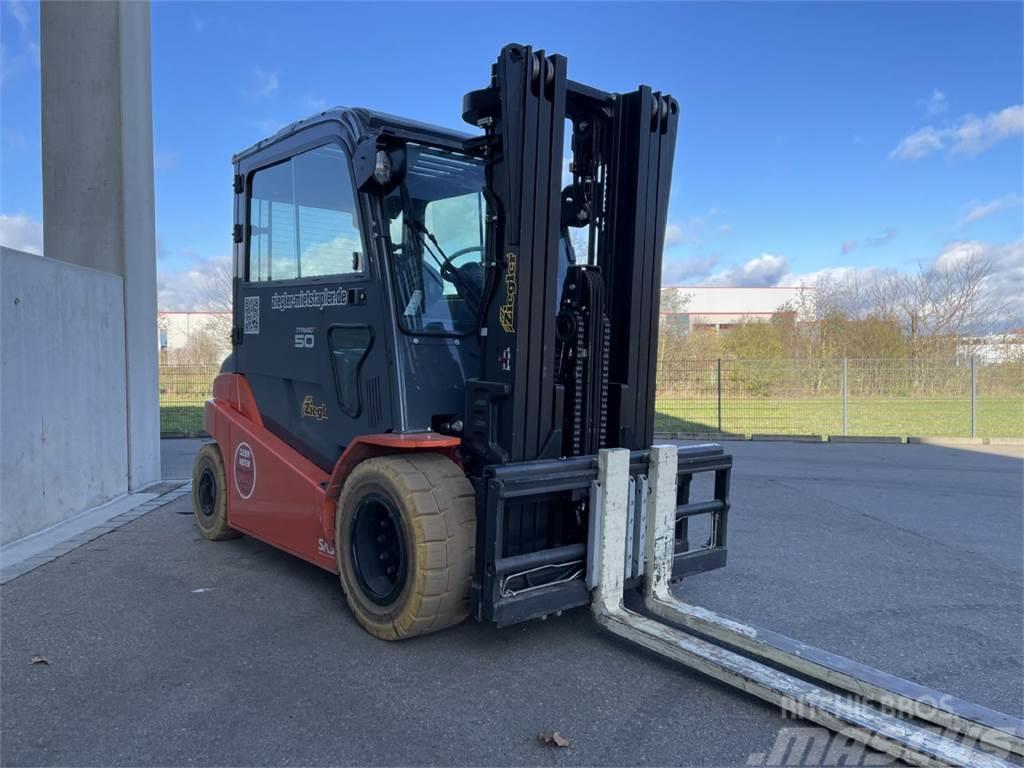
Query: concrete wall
point(63, 398)
point(98, 212)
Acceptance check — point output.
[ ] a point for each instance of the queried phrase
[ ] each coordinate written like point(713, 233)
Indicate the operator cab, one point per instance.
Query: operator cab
point(359, 240)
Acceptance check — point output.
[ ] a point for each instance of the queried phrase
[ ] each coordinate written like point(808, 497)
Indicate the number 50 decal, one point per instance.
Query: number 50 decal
point(304, 338)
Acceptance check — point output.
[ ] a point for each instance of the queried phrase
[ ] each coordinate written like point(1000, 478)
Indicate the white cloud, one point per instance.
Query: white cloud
point(693, 230)
point(188, 289)
point(12, 64)
point(877, 241)
point(25, 53)
point(673, 235)
point(936, 103)
point(762, 272)
point(266, 84)
point(21, 233)
point(1005, 282)
point(566, 173)
point(970, 136)
point(955, 252)
point(315, 103)
point(19, 12)
point(1007, 278)
point(976, 134)
point(835, 274)
point(165, 160)
point(686, 270)
point(977, 210)
point(265, 126)
point(918, 144)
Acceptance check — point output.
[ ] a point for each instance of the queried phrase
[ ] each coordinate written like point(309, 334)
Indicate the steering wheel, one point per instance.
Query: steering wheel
point(448, 267)
point(464, 251)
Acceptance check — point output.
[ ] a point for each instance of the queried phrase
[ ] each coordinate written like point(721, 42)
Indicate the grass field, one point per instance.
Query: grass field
point(896, 416)
point(178, 420)
point(1002, 417)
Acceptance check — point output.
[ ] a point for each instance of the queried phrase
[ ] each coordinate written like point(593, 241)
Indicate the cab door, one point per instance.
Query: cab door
point(309, 305)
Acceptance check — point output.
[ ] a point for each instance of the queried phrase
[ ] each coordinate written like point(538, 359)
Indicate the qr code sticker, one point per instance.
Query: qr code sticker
point(252, 315)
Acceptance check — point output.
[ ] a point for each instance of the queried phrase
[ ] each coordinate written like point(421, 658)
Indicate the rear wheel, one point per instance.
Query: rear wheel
point(405, 540)
point(210, 495)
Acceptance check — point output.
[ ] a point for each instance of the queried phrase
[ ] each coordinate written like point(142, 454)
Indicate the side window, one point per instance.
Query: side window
point(457, 223)
point(303, 218)
point(272, 252)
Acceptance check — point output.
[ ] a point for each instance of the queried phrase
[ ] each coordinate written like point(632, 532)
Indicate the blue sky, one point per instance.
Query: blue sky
point(813, 137)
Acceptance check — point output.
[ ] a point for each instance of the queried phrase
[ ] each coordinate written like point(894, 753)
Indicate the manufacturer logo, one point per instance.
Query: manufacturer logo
point(245, 470)
point(506, 312)
point(313, 410)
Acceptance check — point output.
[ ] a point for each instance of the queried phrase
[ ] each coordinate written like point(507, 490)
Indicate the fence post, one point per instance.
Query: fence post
point(719, 381)
point(974, 396)
point(846, 399)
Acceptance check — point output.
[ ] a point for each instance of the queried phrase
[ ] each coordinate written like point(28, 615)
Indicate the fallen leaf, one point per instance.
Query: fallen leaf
point(554, 738)
point(40, 660)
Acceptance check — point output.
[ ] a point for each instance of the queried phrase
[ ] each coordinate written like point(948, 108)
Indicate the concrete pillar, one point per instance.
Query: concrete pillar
point(97, 131)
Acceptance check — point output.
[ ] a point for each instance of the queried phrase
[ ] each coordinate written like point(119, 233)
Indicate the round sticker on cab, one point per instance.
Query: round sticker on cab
point(245, 470)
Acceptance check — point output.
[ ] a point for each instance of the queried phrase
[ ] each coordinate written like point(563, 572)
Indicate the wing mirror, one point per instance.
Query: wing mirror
point(378, 167)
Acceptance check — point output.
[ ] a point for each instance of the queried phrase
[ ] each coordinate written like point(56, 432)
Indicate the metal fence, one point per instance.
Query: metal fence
point(841, 397)
point(183, 390)
point(780, 397)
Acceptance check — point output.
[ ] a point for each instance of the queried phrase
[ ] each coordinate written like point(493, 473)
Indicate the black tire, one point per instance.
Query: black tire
point(405, 538)
point(210, 495)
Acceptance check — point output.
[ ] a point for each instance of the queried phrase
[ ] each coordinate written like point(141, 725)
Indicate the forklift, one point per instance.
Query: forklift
point(441, 388)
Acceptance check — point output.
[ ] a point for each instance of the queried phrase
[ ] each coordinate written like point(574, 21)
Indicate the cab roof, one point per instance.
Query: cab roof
point(364, 122)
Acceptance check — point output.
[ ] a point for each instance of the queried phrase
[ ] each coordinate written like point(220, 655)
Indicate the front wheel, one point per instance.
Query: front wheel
point(210, 495)
point(405, 541)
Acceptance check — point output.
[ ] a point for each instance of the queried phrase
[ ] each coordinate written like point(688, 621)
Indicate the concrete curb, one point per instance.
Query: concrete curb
point(791, 438)
point(700, 436)
point(946, 440)
point(966, 440)
point(864, 439)
point(890, 439)
point(27, 554)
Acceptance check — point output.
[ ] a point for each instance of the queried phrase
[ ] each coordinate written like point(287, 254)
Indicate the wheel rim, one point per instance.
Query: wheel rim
point(379, 556)
point(207, 493)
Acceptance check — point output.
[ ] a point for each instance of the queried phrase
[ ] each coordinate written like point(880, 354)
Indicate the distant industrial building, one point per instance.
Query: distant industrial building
point(994, 348)
point(718, 308)
point(179, 333)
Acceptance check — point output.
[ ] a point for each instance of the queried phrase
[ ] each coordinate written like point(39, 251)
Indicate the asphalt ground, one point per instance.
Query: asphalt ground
point(164, 649)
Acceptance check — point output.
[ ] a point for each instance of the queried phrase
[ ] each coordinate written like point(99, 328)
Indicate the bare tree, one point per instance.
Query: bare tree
point(939, 303)
point(674, 329)
point(214, 295)
point(932, 307)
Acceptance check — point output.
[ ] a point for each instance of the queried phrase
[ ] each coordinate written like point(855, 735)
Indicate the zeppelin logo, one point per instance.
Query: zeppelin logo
point(313, 410)
point(507, 310)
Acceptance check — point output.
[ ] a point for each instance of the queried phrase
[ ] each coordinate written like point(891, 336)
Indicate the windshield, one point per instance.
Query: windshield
point(437, 240)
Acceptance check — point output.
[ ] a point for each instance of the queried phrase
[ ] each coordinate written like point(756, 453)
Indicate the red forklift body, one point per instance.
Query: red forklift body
point(275, 494)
